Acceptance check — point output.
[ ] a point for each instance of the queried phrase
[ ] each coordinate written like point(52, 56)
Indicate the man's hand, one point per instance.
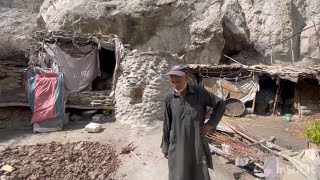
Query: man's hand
point(165, 155)
point(205, 129)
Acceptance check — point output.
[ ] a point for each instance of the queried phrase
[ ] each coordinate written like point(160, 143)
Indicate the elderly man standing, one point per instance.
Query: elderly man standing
point(184, 127)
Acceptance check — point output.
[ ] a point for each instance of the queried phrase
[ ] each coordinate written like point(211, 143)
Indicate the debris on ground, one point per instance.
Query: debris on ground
point(128, 148)
point(244, 150)
point(77, 160)
point(135, 155)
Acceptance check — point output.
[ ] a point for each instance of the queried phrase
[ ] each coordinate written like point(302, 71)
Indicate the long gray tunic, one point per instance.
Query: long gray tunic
point(188, 153)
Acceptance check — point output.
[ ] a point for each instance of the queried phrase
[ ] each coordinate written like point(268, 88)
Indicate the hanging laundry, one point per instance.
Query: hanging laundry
point(78, 72)
point(45, 94)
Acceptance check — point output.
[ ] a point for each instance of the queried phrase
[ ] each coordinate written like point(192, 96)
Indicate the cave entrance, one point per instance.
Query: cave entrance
point(107, 60)
point(266, 97)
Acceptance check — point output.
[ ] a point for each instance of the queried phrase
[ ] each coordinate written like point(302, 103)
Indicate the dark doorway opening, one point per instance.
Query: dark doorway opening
point(107, 61)
point(287, 96)
point(266, 96)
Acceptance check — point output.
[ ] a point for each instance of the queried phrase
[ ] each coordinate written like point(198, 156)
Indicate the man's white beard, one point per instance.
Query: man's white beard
point(179, 91)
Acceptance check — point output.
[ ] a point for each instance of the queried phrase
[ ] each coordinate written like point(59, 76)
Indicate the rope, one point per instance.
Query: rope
point(276, 43)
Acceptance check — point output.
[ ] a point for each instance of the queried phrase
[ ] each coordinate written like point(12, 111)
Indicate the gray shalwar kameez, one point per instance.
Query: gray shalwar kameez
point(188, 153)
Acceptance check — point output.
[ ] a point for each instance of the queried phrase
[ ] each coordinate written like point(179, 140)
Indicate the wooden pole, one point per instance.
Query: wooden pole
point(292, 51)
point(271, 54)
point(297, 99)
point(232, 59)
point(299, 105)
point(254, 99)
point(275, 103)
point(116, 69)
point(247, 136)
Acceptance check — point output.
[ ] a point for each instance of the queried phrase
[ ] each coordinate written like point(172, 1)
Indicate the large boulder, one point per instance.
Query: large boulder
point(251, 31)
point(275, 28)
point(190, 29)
point(201, 31)
point(18, 19)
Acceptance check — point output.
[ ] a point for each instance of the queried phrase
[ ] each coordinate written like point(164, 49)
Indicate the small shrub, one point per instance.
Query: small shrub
point(312, 132)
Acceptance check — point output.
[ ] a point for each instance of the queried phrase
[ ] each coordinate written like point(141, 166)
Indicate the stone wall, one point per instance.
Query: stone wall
point(307, 95)
point(142, 87)
point(11, 82)
point(91, 99)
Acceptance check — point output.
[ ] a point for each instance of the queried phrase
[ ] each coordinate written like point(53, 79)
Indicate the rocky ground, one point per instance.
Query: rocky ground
point(78, 160)
point(146, 162)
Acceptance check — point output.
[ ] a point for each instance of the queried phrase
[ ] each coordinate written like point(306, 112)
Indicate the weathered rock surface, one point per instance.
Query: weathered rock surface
point(18, 20)
point(142, 87)
point(79, 160)
point(200, 30)
point(250, 31)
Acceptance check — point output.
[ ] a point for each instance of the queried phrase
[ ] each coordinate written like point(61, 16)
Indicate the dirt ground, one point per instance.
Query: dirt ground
point(287, 134)
point(150, 164)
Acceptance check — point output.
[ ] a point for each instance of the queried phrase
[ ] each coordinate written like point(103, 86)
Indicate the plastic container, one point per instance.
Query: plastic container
point(288, 117)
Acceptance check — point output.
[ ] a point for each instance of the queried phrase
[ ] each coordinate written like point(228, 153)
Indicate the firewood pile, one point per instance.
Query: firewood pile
point(235, 148)
point(235, 144)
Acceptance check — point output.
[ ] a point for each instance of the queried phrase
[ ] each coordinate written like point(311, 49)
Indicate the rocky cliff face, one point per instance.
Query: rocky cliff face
point(17, 21)
point(249, 30)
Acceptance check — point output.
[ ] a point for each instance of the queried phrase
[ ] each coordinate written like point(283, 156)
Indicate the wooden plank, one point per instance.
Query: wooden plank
point(12, 104)
point(251, 139)
point(255, 97)
point(275, 103)
point(116, 69)
point(90, 107)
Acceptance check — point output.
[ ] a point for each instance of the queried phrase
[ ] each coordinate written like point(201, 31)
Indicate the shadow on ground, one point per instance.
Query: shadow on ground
point(15, 124)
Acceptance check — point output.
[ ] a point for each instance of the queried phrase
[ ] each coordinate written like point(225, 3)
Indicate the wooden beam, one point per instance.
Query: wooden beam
point(12, 104)
point(255, 97)
point(90, 107)
point(117, 68)
point(276, 99)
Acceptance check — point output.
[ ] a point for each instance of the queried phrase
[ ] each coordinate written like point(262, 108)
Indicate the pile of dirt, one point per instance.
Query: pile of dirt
point(78, 160)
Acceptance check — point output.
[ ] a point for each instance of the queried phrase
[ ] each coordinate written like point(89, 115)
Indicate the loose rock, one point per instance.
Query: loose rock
point(78, 160)
point(7, 168)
